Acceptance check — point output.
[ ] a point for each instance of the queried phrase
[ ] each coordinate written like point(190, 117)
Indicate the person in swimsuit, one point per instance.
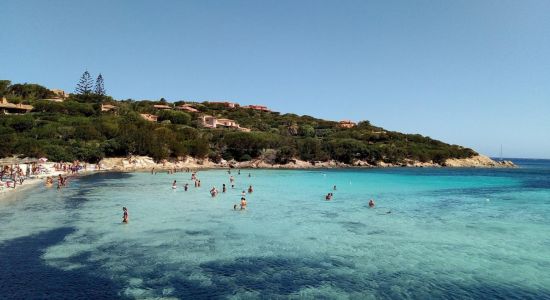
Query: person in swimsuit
point(243, 203)
point(334, 188)
point(371, 203)
point(250, 189)
point(185, 187)
point(174, 185)
point(231, 179)
point(125, 215)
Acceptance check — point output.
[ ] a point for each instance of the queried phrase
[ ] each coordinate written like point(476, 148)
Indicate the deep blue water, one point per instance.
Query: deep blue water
point(434, 234)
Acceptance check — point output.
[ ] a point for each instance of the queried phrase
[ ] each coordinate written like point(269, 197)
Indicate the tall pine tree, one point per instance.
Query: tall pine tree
point(84, 86)
point(99, 87)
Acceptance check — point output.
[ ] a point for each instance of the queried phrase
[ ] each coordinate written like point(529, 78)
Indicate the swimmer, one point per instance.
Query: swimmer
point(125, 215)
point(243, 203)
point(239, 172)
point(235, 207)
point(328, 197)
point(371, 203)
point(243, 193)
point(174, 186)
point(185, 187)
point(232, 186)
point(224, 189)
point(249, 175)
point(250, 189)
point(334, 188)
point(213, 192)
point(231, 179)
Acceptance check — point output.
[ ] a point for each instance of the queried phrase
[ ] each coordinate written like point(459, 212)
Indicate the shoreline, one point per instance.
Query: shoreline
point(135, 163)
point(35, 181)
point(146, 164)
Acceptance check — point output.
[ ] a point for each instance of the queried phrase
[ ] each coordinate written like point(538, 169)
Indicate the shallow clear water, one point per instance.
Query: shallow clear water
point(451, 233)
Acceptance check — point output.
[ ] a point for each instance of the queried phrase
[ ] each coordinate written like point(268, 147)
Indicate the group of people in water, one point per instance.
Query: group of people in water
point(329, 196)
point(61, 181)
point(214, 191)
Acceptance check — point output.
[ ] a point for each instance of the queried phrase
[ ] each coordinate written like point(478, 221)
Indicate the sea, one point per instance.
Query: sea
point(434, 233)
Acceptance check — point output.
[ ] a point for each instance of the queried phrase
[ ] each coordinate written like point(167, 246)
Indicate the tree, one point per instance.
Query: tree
point(4, 84)
point(99, 87)
point(84, 86)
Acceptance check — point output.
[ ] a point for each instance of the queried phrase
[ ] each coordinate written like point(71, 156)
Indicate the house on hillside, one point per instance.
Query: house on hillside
point(162, 107)
point(258, 107)
point(149, 117)
point(7, 108)
point(108, 107)
point(227, 123)
point(187, 108)
point(225, 103)
point(213, 122)
point(346, 124)
point(59, 94)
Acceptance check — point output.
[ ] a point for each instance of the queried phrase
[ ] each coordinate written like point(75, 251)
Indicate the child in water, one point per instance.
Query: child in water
point(243, 203)
point(125, 215)
point(371, 203)
point(250, 189)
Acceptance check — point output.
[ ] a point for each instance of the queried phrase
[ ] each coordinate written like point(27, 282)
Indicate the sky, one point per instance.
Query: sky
point(471, 72)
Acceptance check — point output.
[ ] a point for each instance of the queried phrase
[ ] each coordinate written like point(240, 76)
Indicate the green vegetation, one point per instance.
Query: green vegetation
point(77, 129)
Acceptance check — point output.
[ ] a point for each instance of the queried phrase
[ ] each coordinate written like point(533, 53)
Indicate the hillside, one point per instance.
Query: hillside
point(90, 127)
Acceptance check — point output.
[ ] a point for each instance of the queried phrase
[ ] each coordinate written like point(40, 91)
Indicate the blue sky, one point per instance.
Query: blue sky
point(475, 73)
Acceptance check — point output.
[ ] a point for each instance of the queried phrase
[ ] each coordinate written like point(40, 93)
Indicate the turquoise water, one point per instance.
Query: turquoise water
point(468, 233)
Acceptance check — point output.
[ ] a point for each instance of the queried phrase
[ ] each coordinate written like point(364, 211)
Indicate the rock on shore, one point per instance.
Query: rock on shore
point(144, 162)
point(479, 161)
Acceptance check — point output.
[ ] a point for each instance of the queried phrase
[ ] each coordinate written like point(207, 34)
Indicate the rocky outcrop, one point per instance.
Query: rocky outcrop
point(479, 161)
point(144, 162)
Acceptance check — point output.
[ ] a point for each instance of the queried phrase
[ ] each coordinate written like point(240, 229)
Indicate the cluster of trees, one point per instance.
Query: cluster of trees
point(77, 129)
point(23, 92)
